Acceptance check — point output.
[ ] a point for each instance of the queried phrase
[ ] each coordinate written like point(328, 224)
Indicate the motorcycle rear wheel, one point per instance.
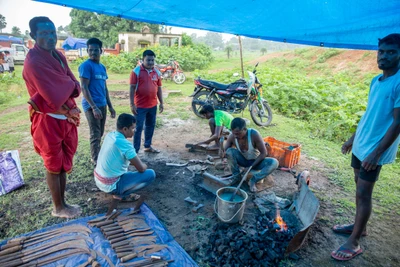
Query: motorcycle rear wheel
point(202, 98)
point(260, 117)
point(179, 78)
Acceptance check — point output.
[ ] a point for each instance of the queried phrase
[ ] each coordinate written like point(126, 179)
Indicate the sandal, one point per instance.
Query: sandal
point(351, 254)
point(129, 198)
point(151, 150)
point(345, 229)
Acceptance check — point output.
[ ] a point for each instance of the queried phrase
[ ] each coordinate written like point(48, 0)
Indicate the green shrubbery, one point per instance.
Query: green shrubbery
point(198, 56)
point(332, 105)
point(6, 81)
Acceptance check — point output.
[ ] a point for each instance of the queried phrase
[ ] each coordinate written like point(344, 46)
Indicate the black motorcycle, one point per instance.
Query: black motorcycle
point(233, 97)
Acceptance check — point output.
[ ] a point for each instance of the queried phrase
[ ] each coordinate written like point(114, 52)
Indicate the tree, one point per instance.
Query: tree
point(16, 31)
point(86, 24)
point(60, 29)
point(228, 50)
point(263, 50)
point(214, 40)
point(186, 40)
point(3, 23)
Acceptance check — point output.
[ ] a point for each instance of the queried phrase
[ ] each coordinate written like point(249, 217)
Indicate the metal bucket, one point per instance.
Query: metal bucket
point(230, 211)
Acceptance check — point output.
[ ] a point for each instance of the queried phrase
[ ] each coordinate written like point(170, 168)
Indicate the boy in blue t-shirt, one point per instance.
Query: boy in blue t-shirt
point(95, 99)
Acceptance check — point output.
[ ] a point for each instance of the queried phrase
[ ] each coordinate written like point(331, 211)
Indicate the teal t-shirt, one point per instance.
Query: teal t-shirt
point(384, 97)
point(222, 118)
point(114, 159)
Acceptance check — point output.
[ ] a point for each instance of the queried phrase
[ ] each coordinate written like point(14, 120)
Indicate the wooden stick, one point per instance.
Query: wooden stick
point(240, 184)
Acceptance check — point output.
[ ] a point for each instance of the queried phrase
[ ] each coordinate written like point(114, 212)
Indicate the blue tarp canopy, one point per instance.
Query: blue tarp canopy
point(12, 39)
point(353, 24)
point(74, 43)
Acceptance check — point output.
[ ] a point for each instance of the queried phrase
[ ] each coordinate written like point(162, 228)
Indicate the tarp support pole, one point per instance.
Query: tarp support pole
point(241, 55)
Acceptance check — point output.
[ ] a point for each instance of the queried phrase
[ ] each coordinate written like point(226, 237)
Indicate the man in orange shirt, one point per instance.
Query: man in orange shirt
point(145, 88)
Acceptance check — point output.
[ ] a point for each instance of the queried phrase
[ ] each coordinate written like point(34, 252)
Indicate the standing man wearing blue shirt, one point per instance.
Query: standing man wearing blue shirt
point(95, 99)
point(375, 142)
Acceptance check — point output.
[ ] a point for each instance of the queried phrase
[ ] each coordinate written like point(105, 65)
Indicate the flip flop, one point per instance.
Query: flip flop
point(129, 198)
point(344, 229)
point(352, 253)
point(151, 150)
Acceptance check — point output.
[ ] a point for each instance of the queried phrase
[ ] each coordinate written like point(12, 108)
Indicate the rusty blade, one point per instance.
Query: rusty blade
point(128, 232)
point(75, 227)
point(150, 248)
point(42, 262)
point(76, 244)
point(28, 251)
point(68, 245)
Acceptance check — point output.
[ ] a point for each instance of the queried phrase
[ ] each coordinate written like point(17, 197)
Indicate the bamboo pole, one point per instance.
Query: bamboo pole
point(241, 55)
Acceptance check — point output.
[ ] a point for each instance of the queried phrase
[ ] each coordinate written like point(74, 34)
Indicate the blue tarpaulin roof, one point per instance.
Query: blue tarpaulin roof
point(12, 39)
point(332, 23)
point(74, 43)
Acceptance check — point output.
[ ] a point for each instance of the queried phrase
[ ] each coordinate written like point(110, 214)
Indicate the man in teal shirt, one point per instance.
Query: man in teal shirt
point(217, 120)
point(116, 154)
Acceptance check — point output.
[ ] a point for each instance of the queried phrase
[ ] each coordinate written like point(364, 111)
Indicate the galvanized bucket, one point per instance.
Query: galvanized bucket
point(230, 211)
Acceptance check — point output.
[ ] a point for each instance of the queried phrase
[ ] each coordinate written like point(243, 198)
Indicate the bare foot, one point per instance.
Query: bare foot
point(252, 186)
point(67, 212)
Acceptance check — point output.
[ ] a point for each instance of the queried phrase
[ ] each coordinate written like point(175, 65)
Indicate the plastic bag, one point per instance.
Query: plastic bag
point(10, 172)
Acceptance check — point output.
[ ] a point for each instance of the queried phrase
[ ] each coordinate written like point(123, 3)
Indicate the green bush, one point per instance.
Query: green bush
point(6, 81)
point(328, 54)
point(332, 105)
point(193, 57)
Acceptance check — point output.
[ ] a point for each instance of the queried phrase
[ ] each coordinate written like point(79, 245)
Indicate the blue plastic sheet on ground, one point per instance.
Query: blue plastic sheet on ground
point(100, 244)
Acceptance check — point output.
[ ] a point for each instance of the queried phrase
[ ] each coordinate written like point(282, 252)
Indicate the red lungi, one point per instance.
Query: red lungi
point(55, 141)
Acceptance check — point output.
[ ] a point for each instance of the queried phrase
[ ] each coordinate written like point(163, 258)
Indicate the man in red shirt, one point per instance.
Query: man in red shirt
point(53, 112)
point(145, 88)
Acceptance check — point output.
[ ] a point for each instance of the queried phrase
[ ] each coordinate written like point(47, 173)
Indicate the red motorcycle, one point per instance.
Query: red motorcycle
point(171, 71)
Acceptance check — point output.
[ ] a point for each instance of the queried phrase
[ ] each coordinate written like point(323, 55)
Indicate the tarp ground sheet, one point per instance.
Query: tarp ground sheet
point(174, 251)
point(355, 24)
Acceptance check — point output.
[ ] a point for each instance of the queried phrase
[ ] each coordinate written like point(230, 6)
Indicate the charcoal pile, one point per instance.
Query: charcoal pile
point(261, 244)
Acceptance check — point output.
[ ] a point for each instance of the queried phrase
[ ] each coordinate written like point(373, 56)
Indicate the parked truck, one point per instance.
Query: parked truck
point(15, 46)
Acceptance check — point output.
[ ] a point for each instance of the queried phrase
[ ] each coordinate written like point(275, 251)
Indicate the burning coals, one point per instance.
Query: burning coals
point(262, 244)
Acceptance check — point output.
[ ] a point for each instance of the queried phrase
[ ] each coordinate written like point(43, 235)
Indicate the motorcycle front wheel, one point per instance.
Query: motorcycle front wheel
point(200, 99)
point(259, 116)
point(179, 78)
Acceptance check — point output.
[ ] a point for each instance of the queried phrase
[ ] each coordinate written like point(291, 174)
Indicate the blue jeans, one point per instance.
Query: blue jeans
point(236, 159)
point(146, 117)
point(131, 182)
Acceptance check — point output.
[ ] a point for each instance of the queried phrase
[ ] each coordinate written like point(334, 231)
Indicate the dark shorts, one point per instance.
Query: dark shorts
point(370, 176)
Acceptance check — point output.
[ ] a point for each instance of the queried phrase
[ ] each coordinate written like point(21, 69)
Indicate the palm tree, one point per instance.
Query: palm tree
point(228, 50)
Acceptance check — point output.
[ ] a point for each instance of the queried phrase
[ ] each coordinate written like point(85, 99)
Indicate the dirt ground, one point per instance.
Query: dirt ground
point(191, 230)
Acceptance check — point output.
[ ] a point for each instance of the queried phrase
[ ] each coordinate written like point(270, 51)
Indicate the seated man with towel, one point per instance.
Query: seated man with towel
point(249, 151)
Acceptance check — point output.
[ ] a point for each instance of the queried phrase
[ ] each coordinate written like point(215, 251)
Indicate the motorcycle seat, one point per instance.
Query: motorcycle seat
point(161, 66)
point(219, 86)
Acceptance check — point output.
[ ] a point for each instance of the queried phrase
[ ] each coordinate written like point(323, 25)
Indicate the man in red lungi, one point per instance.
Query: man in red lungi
point(53, 112)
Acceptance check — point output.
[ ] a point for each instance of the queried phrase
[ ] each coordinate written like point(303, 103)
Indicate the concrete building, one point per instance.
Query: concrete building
point(132, 40)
